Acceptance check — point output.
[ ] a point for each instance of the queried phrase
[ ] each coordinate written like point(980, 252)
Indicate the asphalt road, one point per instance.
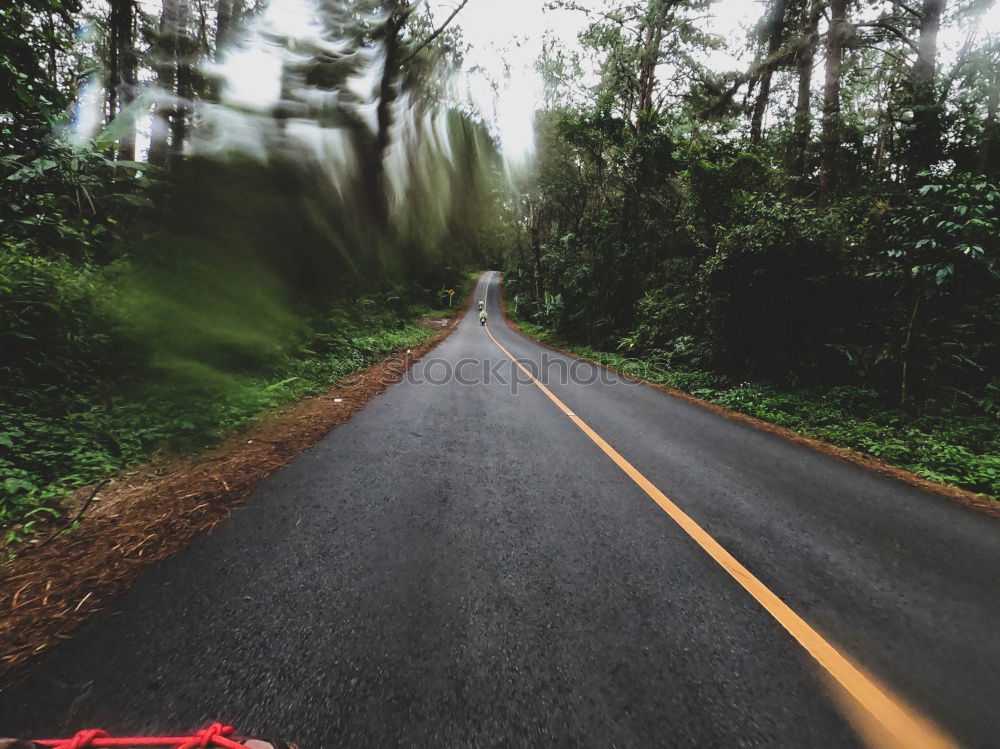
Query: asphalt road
point(460, 565)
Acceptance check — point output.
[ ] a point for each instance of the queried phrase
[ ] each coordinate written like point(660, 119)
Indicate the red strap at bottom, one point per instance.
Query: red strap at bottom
point(214, 735)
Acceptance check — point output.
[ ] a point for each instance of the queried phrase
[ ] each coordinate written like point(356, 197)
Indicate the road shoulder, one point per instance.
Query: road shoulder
point(148, 513)
point(975, 501)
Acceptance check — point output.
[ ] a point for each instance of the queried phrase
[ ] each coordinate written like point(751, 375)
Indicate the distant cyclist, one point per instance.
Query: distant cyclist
point(482, 317)
point(482, 305)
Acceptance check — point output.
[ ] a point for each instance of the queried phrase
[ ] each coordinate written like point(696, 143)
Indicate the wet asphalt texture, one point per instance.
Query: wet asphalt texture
point(459, 565)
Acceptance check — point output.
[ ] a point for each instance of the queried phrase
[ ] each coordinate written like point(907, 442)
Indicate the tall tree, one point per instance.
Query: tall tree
point(832, 135)
point(925, 143)
point(34, 87)
point(165, 67)
point(396, 56)
point(123, 61)
point(649, 58)
point(185, 54)
point(990, 148)
point(805, 57)
point(774, 32)
point(226, 14)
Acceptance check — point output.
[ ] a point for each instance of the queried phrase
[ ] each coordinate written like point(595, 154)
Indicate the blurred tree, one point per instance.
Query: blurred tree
point(774, 33)
point(122, 69)
point(837, 38)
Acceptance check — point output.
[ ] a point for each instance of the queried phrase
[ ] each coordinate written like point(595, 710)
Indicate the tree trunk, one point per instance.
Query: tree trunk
point(376, 189)
point(52, 49)
point(184, 58)
point(649, 60)
point(884, 130)
point(775, 27)
point(518, 232)
point(165, 66)
point(224, 13)
point(805, 57)
point(904, 379)
point(536, 250)
point(991, 131)
point(388, 86)
point(831, 137)
point(122, 63)
point(926, 141)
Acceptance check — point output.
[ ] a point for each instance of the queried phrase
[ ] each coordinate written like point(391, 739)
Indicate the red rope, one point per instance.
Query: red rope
point(85, 738)
point(212, 736)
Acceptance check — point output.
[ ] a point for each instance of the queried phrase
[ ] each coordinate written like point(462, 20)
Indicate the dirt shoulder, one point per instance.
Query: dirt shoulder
point(144, 515)
point(970, 499)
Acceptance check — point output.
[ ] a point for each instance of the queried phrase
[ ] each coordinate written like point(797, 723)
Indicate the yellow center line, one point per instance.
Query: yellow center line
point(900, 724)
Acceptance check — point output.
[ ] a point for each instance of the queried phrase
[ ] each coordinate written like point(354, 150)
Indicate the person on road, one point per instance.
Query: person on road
point(482, 317)
point(482, 304)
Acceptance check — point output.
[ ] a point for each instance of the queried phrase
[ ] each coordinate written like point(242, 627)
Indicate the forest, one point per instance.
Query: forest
point(173, 262)
point(813, 239)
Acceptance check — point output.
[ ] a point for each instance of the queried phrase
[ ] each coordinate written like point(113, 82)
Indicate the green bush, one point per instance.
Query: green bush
point(56, 438)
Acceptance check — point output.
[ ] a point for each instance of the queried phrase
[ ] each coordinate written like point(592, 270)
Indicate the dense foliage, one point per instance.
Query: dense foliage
point(823, 222)
point(155, 293)
point(60, 438)
point(943, 444)
point(666, 221)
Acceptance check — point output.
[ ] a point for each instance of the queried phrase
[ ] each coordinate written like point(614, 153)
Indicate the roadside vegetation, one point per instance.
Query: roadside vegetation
point(59, 438)
point(154, 296)
point(944, 442)
point(813, 239)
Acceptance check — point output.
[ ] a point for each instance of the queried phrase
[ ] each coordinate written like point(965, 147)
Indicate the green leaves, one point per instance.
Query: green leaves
point(951, 236)
point(33, 170)
point(17, 486)
point(941, 443)
point(122, 125)
point(112, 410)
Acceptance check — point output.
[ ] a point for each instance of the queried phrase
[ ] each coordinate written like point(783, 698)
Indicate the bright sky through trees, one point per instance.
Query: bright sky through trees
point(505, 40)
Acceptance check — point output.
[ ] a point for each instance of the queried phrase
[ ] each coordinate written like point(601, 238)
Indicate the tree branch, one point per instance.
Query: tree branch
point(907, 8)
point(620, 20)
point(887, 52)
point(436, 33)
point(881, 24)
point(78, 517)
point(771, 63)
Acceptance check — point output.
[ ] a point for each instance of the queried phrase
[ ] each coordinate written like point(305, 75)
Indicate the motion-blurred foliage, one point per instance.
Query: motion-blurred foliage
point(153, 299)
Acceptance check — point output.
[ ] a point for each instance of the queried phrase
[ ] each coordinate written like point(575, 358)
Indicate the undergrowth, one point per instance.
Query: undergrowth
point(940, 441)
point(56, 439)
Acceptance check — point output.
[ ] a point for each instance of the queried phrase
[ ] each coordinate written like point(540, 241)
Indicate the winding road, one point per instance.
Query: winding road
point(494, 556)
